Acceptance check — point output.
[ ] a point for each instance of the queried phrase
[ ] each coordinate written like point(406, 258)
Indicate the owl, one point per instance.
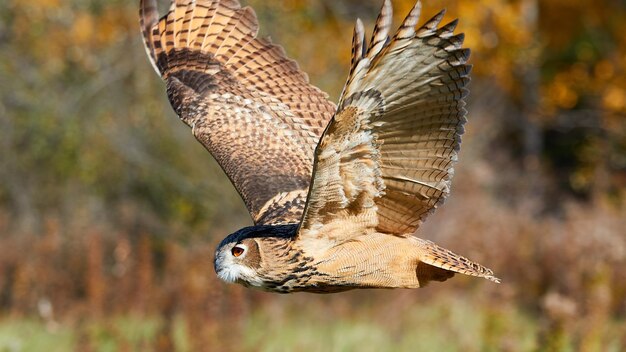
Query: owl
point(336, 192)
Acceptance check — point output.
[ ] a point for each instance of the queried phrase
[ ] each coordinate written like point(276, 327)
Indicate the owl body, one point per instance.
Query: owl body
point(274, 261)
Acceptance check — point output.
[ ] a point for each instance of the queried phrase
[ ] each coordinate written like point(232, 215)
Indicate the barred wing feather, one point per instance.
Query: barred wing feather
point(246, 102)
point(386, 159)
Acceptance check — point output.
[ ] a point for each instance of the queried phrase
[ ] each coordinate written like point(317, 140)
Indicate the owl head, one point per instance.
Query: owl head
point(239, 257)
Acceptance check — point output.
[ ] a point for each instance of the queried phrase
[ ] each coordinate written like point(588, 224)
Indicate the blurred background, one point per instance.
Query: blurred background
point(110, 210)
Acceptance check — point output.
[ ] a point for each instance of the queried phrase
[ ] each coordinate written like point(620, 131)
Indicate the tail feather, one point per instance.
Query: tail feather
point(445, 259)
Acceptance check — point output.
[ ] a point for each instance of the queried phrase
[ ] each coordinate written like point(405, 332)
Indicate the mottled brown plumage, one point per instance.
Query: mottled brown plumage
point(334, 208)
point(245, 101)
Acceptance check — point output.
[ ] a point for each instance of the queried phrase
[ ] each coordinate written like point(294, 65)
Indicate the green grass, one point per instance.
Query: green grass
point(450, 325)
point(109, 334)
point(32, 335)
point(443, 324)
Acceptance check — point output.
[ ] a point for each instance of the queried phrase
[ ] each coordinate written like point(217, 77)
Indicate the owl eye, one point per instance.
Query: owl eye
point(237, 251)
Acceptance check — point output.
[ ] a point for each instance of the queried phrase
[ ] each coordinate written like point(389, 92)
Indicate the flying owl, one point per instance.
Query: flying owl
point(335, 191)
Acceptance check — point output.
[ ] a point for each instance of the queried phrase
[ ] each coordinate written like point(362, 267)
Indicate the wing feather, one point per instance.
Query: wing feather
point(380, 36)
point(387, 155)
point(246, 102)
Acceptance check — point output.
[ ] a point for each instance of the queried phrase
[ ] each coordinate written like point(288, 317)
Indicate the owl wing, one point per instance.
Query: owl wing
point(385, 160)
point(246, 102)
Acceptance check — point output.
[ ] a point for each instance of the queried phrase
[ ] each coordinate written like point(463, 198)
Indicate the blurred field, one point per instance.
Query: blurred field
point(110, 210)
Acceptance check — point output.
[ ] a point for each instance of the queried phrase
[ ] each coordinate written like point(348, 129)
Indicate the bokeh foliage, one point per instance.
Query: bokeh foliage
point(109, 209)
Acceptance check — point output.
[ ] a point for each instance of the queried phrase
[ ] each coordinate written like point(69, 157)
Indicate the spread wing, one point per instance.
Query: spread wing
point(385, 160)
point(245, 101)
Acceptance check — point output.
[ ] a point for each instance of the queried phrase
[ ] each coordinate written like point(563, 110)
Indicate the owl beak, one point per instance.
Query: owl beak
point(222, 268)
point(217, 263)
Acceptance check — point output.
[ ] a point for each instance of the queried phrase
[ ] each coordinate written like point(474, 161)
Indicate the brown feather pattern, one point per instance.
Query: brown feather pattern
point(407, 101)
point(245, 101)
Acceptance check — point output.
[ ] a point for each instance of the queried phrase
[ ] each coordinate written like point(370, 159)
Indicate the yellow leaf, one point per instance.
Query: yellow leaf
point(614, 98)
point(82, 28)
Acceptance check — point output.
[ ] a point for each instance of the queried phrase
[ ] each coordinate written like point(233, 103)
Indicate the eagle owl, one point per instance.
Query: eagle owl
point(335, 191)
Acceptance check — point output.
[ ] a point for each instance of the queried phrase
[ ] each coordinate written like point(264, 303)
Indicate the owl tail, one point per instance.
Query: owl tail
point(439, 257)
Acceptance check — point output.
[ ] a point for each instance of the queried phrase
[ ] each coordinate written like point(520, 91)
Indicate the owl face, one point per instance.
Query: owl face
point(238, 261)
point(240, 256)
